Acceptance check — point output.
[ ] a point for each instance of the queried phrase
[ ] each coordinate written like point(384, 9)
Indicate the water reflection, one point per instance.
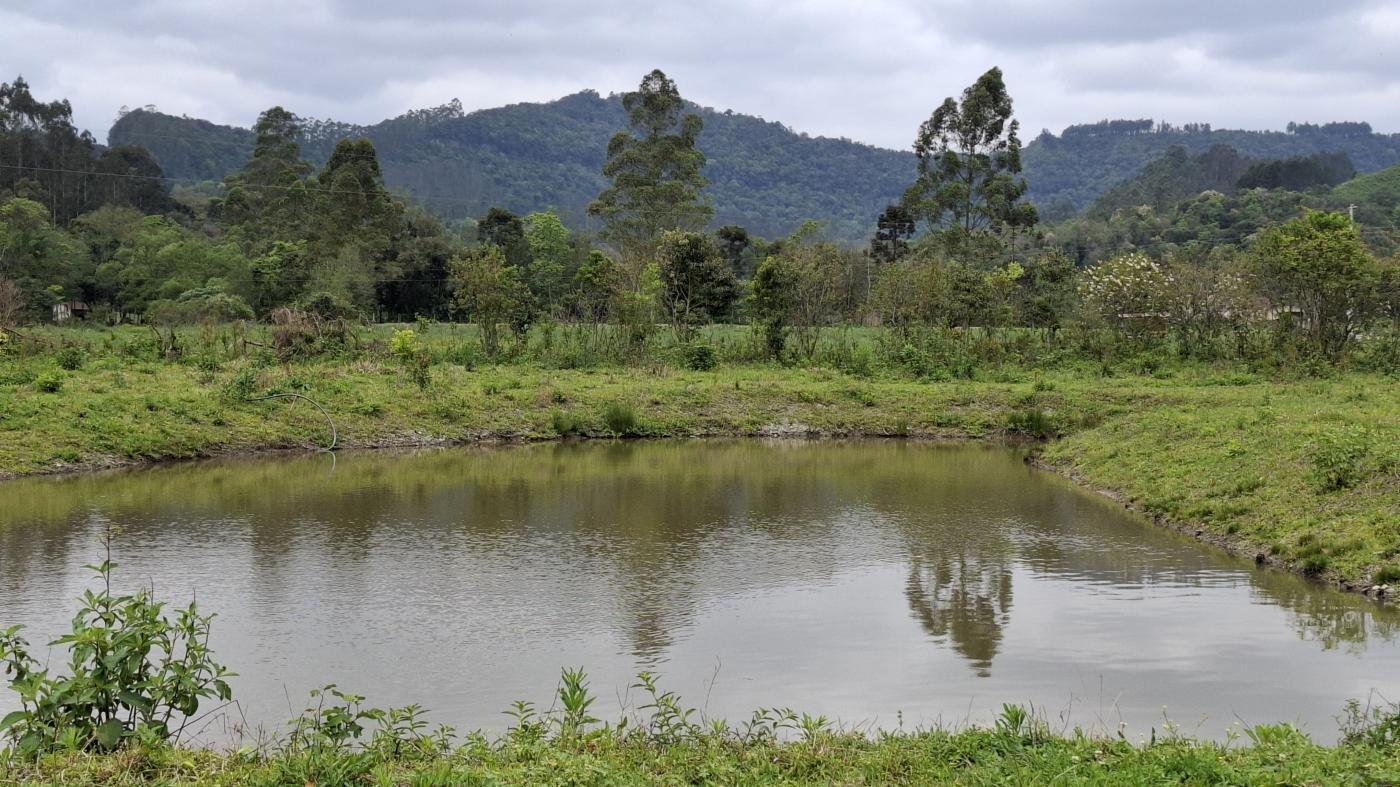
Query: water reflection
point(966, 603)
point(849, 578)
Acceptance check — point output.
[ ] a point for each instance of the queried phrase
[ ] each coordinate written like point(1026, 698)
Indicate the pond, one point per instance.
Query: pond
point(878, 582)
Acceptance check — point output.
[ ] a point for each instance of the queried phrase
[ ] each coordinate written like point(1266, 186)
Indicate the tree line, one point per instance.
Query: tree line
point(962, 249)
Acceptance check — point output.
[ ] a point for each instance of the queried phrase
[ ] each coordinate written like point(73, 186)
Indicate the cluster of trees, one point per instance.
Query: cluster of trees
point(963, 246)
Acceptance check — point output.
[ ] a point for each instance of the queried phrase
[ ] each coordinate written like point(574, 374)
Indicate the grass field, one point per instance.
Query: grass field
point(1304, 472)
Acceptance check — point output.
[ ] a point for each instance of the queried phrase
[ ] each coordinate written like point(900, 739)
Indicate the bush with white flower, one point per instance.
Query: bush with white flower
point(1128, 288)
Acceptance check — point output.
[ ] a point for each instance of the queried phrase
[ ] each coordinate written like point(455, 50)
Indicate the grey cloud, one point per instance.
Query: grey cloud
point(866, 70)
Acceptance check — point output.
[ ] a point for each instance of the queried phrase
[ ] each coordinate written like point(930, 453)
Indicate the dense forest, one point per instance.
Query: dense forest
point(1195, 205)
point(1068, 172)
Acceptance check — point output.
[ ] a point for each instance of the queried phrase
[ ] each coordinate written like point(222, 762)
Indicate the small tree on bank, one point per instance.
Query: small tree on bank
point(797, 291)
point(1318, 266)
point(490, 292)
point(697, 284)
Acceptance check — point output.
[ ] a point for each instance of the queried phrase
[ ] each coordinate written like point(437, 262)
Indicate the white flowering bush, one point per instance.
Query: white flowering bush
point(1125, 288)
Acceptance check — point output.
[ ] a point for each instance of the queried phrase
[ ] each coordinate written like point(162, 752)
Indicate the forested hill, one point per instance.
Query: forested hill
point(763, 175)
point(527, 157)
point(1068, 172)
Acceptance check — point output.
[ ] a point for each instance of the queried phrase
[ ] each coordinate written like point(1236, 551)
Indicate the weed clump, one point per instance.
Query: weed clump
point(620, 419)
point(242, 385)
point(1338, 458)
point(1032, 422)
point(566, 423)
point(49, 382)
point(71, 358)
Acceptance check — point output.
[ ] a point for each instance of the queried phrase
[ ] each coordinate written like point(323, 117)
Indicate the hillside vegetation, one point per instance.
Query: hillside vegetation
point(526, 157)
point(1067, 172)
point(763, 175)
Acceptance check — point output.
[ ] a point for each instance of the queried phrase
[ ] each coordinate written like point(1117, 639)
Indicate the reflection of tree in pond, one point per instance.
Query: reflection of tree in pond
point(1331, 619)
point(960, 599)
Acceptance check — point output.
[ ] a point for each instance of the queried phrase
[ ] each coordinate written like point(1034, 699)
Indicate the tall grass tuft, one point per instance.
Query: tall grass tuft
point(620, 419)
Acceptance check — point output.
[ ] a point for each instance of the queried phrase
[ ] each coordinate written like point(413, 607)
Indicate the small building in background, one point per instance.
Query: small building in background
point(63, 312)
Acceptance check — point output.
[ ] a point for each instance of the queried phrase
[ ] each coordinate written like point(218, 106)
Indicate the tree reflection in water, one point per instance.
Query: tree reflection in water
point(964, 601)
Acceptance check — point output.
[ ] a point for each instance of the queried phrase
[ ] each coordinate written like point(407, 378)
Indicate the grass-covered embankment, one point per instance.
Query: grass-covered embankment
point(1305, 472)
point(975, 757)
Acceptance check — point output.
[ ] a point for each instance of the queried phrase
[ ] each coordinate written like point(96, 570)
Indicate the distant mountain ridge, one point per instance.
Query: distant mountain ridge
point(763, 175)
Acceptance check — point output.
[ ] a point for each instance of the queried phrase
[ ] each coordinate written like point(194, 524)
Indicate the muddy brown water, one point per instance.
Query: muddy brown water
point(877, 582)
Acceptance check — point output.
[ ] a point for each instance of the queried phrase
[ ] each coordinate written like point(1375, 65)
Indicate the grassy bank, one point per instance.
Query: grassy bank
point(1304, 472)
point(976, 757)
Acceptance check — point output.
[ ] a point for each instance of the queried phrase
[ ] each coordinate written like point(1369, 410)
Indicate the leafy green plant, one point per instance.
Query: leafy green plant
point(698, 357)
point(669, 721)
point(1375, 725)
point(49, 382)
point(71, 358)
point(334, 721)
point(136, 675)
point(575, 700)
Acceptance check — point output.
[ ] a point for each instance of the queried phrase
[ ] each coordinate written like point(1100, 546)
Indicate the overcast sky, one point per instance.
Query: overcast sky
point(871, 70)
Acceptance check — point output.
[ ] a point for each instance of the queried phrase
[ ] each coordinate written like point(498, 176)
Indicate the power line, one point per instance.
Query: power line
point(302, 188)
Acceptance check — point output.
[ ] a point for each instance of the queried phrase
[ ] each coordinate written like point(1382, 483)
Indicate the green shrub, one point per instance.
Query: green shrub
point(466, 355)
point(619, 418)
point(71, 358)
point(49, 382)
point(405, 345)
point(1338, 458)
point(1387, 575)
point(698, 357)
point(420, 371)
point(137, 675)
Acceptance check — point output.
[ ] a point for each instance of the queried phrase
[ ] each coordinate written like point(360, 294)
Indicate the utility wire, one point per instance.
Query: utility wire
point(427, 197)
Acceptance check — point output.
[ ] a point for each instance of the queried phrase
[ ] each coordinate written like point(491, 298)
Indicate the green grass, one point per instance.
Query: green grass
point(1305, 471)
point(970, 757)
